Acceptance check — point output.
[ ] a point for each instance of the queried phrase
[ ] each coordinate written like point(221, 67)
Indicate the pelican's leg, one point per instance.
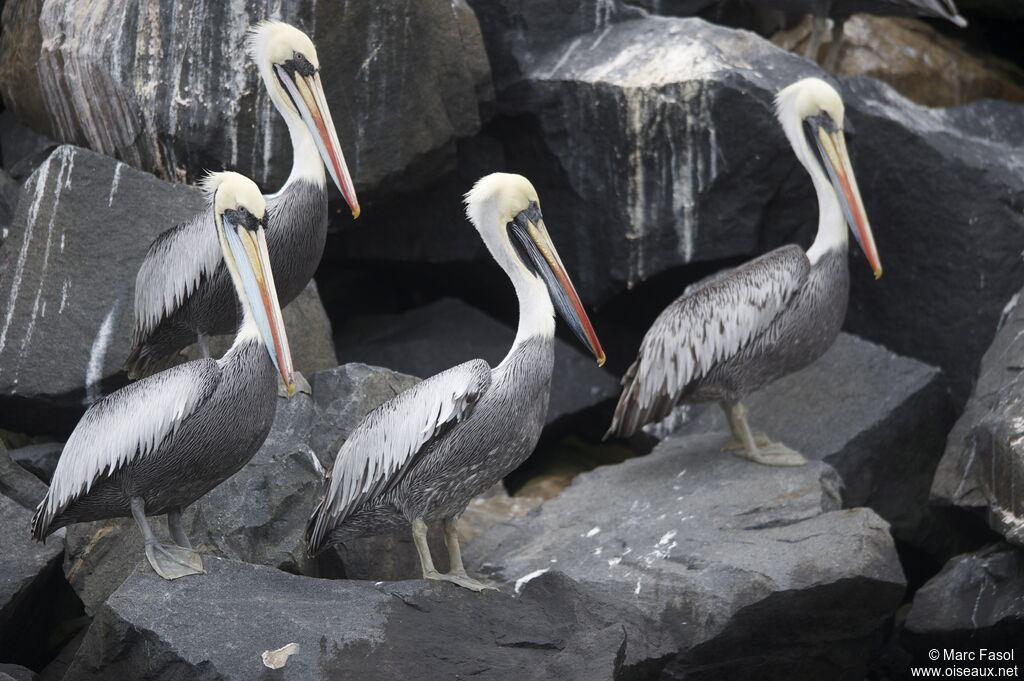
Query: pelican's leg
point(818, 25)
point(759, 449)
point(170, 562)
point(455, 566)
point(832, 56)
point(204, 345)
point(177, 531)
point(419, 537)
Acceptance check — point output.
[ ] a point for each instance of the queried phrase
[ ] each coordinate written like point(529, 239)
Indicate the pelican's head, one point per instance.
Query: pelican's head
point(240, 214)
point(290, 68)
point(811, 112)
point(505, 209)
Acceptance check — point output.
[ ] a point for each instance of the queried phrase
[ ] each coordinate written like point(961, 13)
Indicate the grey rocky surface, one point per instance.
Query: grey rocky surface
point(18, 484)
point(174, 92)
point(27, 571)
point(67, 278)
point(983, 463)
point(976, 601)
point(39, 459)
point(877, 418)
point(421, 342)
point(222, 622)
point(725, 554)
point(259, 514)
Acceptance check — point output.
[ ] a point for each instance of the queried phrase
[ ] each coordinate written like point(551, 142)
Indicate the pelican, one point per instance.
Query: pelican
point(157, 445)
point(182, 289)
point(424, 454)
point(735, 331)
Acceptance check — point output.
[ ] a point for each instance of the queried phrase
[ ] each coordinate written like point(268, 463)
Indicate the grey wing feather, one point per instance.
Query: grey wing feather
point(177, 262)
point(712, 321)
point(389, 438)
point(122, 427)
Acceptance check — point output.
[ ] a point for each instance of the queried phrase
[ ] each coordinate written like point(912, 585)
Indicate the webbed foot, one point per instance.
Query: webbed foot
point(172, 562)
point(463, 580)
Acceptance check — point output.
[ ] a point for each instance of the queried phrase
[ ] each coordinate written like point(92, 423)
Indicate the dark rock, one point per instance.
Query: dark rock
point(222, 622)
point(39, 459)
point(438, 336)
point(877, 418)
point(9, 190)
point(983, 463)
point(259, 514)
point(19, 484)
point(83, 226)
point(977, 600)
point(26, 571)
point(944, 289)
point(692, 166)
point(22, 149)
point(745, 567)
point(343, 397)
point(58, 666)
point(175, 93)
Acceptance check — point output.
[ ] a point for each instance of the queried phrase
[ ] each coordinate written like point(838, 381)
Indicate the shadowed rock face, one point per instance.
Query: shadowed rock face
point(351, 629)
point(67, 283)
point(977, 601)
point(886, 418)
point(171, 90)
point(26, 572)
point(983, 463)
point(714, 547)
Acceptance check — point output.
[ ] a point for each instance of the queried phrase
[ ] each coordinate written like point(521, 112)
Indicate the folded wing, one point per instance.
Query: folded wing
point(711, 322)
point(388, 440)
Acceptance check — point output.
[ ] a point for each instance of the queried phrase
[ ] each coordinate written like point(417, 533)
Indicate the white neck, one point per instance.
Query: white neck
point(247, 333)
point(306, 162)
point(832, 234)
point(536, 313)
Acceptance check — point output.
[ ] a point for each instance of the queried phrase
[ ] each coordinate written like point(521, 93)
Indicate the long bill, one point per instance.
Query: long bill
point(832, 145)
point(249, 250)
point(532, 237)
point(307, 93)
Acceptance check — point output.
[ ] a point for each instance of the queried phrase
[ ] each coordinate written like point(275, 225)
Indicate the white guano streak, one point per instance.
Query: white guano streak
point(37, 184)
point(98, 352)
point(66, 156)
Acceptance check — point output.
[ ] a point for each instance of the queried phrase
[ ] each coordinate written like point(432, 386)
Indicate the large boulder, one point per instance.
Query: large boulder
point(224, 624)
point(747, 568)
point(983, 464)
point(976, 601)
point(887, 417)
point(174, 92)
point(67, 278)
point(427, 340)
point(258, 515)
